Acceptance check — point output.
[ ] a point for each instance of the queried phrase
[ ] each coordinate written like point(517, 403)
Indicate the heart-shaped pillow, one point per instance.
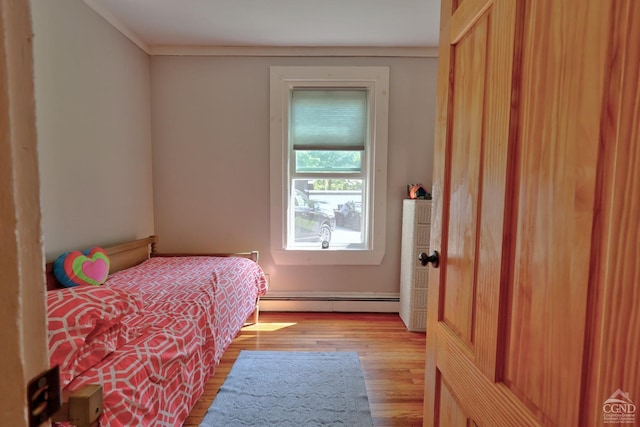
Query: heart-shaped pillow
point(74, 268)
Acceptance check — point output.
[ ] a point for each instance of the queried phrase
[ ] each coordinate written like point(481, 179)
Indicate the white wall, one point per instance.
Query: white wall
point(210, 128)
point(93, 121)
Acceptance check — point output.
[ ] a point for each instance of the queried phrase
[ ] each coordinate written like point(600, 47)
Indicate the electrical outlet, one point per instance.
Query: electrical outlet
point(44, 396)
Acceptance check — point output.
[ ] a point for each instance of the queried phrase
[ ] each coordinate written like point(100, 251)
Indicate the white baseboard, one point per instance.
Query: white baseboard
point(339, 302)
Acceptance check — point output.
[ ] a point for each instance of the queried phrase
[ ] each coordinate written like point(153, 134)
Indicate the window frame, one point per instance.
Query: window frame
point(282, 81)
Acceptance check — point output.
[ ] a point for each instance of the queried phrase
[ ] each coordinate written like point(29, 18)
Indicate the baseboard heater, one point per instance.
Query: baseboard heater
point(383, 303)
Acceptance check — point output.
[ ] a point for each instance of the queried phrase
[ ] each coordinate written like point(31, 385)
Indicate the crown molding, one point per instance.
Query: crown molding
point(272, 51)
point(289, 51)
point(101, 10)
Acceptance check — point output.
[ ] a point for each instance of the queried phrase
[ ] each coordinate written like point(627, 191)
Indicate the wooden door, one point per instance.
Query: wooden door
point(518, 180)
point(474, 143)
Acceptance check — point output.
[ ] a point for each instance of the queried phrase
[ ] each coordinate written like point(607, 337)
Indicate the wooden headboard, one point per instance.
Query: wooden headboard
point(128, 254)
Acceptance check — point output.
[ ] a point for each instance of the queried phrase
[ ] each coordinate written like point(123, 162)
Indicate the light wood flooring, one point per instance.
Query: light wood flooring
point(392, 358)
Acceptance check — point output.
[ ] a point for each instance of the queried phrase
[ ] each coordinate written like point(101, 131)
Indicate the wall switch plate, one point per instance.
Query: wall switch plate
point(44, 396)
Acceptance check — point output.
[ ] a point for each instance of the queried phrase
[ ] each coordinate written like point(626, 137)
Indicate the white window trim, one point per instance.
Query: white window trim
point(283, 79)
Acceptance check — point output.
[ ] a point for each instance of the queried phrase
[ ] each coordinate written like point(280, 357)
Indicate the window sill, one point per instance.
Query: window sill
point(327, 257)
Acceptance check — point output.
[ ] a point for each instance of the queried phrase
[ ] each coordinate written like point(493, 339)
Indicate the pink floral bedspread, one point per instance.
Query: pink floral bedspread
point(193, 307)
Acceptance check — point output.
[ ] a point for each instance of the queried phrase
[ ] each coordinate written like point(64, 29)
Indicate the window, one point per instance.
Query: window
point(328, 164)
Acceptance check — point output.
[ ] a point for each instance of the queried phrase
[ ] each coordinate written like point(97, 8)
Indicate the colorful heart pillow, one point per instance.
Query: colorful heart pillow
point(74, 268)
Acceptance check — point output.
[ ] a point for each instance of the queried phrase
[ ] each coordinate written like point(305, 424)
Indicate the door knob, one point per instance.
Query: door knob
point(434, 259)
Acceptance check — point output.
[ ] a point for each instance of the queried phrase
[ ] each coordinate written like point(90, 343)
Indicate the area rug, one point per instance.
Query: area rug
point(284, 388)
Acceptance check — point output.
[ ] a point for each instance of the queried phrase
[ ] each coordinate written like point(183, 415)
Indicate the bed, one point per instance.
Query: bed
point(154, 332)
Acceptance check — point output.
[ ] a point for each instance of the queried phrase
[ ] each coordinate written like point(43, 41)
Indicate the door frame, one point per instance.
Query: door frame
point(22, 261)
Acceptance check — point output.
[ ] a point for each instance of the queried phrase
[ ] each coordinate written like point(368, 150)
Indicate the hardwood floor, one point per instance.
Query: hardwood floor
point(392, 358)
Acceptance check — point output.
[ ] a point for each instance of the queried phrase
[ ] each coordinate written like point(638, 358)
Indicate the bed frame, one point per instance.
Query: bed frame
point(129, 254)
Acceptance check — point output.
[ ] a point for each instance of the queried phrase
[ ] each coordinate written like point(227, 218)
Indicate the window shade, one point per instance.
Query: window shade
point(329, 119)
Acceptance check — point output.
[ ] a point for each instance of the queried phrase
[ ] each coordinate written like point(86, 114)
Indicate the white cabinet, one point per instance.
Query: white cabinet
point(414, 277)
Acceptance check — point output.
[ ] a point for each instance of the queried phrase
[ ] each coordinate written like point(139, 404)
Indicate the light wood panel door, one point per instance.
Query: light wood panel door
point(475, 149)
point(522, 176)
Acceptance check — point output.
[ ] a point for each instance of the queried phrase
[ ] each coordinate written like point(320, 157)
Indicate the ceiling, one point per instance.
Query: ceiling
point(274, 23)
